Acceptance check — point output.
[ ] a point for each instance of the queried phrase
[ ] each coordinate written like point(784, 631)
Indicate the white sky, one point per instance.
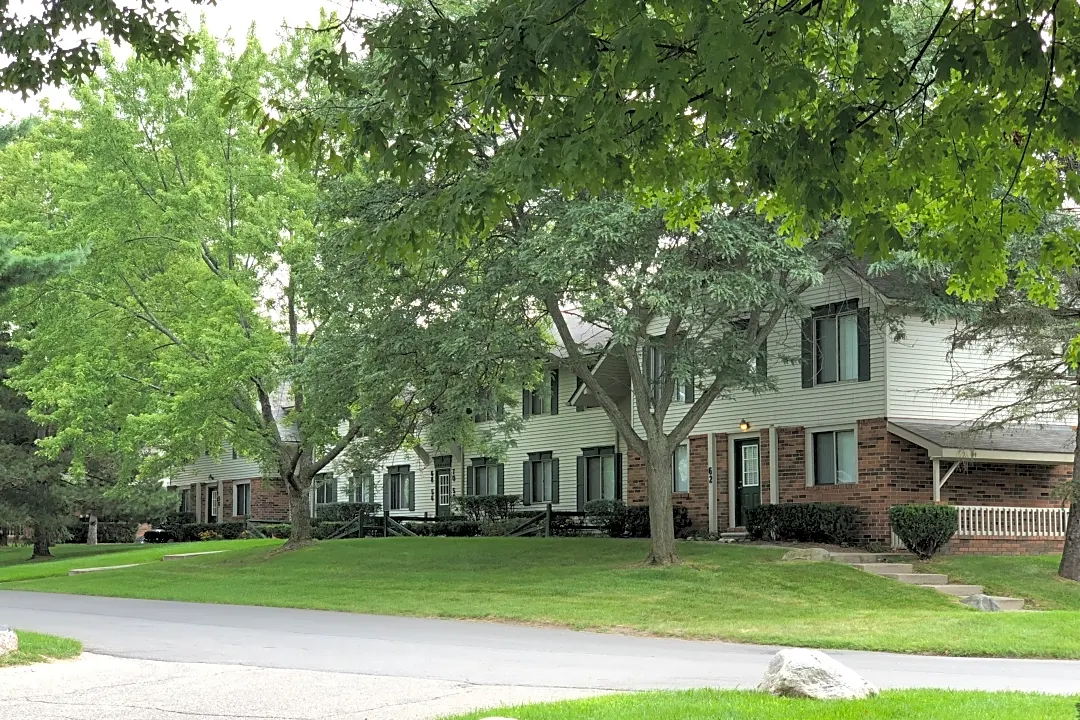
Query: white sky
point(227, 17)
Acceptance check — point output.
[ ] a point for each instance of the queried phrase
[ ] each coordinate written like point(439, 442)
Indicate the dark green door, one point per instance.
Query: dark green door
point(747, 478)
point(443, 492)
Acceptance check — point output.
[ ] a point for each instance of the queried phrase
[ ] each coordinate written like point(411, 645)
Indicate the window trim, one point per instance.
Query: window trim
point(811, 481)
point(235, 497)
point(317, 484)
point(675, 469)
point(534, 459)
point(403, 471)
point(601, 451)
point(833, 312)
point(489, 466)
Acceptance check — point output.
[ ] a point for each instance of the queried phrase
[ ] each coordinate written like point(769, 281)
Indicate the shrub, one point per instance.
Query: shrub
point(275, 530)
point(323, 529)
point(344, 511)
point(804, 522)
point(108, 532)
point(445, 528)
point(487, 507)
point(194, 532)
point(618, 519)
point(924, 529)
point(497, 528)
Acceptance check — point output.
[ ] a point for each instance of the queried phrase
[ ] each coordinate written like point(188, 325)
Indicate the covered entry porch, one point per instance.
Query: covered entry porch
point(1005, 483)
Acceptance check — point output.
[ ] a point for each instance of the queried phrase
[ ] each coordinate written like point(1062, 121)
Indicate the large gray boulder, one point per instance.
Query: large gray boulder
point(982, 602)
point(813, 674)
point(807, 555)
point(9, 641)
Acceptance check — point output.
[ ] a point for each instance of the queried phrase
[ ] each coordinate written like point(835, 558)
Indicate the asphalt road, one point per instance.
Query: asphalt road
point(468, 652)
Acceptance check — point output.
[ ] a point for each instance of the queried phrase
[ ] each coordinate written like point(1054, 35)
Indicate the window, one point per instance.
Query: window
point(654, 369)
point(212, 498)
point(835, 458)
point(398, 482)
point(680, 469)
point(242, 499)
point(540, 478)
point(362, 488)
point(544, 399)
point(836, 344)
point(186, 504)
point(600, 475)
point(484, 477)
point(325, 489)
point(234, 453)
point(487, 408)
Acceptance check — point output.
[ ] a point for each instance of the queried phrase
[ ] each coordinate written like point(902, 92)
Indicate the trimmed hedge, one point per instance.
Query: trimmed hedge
point(491, 508)
point(924, 529)
point(620, 520)
point(445, 528)
point(108, 532)
point(804, 522)
point(194, 532)
point(346, 511)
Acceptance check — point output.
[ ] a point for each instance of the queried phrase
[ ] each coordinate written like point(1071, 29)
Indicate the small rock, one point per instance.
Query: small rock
point(9, 641)
point(813, 674)
point(982, 602)
point(806, 555)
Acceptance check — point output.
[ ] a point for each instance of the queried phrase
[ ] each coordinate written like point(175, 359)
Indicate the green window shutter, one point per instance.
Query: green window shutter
point(808, 352)
point(555, 481)
point(618, 476)
point(864, 344)
point(501, 482)
point(581, 482)
point(526, 402)
point(386, 491)
point(555, 392)
point(470, 481)
point(763, 358)
point(526, 485)
point(690, 390)
point(411, 489)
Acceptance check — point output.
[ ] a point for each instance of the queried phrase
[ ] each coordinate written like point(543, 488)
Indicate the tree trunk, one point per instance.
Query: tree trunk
point(3, 537)
point(299, 517)
point(1070, 556)
point(41, 543)
point(661, 523)
point(91, 531)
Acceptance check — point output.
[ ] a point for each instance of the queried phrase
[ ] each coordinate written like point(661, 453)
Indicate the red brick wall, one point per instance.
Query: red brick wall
point(766, 477)
point(723, 496)
point(696, 500)
point(269, 499)
point(1001, 484)
point(1003, 546)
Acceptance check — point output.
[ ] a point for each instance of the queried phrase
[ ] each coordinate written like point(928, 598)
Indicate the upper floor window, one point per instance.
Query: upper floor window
point(654, 367)
point(544, 399)
point(836, 344)
point(487, 408)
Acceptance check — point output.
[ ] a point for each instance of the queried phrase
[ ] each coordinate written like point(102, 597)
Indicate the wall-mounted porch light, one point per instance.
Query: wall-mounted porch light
point(744, 425)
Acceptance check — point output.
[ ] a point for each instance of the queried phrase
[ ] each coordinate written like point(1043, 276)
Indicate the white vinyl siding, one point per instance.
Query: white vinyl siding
point(223, 466)
point(921, 372)
point(792, 404)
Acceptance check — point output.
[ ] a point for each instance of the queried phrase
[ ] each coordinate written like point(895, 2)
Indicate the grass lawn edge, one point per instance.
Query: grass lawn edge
point(40, 648)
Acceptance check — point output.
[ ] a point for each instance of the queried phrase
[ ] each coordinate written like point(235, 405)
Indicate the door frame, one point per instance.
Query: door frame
point(740, 492)
point(448, 473)
point(732, 486)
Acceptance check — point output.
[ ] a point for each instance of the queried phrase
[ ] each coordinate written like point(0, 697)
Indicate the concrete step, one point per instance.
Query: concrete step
point(1008, 604)
point(866, 558)
point(885, 568)
point(83, 571)
point(184, 556)
point(958, 590)
point(919, 578)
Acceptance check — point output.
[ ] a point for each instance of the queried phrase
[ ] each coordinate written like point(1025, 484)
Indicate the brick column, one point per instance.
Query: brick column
point(723, 497)
point(763, 454)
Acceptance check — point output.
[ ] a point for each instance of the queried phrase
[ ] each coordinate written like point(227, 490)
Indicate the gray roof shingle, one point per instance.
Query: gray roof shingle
point(1014, 438)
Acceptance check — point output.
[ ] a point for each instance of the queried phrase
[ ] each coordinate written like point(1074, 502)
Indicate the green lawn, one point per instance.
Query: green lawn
point(15, 562)
point(35, 647)
point(733, 705)
point(719, 592)
point(1033, 578)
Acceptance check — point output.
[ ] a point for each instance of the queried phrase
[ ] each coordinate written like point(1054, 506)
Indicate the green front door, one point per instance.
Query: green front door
point(747, 478)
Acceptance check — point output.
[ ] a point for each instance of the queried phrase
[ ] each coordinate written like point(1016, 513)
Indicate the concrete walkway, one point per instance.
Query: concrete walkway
point(468, 652)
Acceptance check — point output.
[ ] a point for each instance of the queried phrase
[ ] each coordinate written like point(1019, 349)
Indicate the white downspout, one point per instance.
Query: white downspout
point(712, 483)
point(774, 471)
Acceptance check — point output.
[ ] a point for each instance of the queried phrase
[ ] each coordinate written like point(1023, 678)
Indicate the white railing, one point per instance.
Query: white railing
point(988, 521)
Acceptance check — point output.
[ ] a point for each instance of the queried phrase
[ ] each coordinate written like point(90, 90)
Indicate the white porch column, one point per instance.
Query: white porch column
point(220, 501)
point(937, 481)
